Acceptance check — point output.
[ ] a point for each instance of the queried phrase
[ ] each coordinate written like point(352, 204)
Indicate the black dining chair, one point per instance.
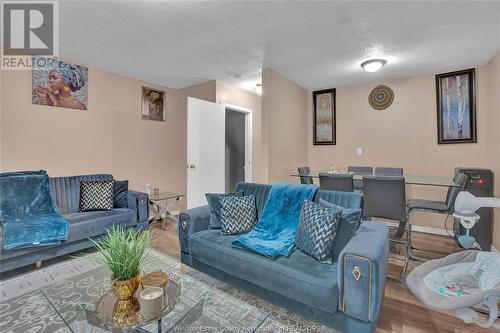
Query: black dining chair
point(305, 171)
point(385, 197)
point(432, 206)
point(336, 182)
point(386, 171)
point(360, 170)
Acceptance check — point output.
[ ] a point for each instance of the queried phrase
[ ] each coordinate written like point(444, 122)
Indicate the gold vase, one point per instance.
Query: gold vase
point(126, 312)
point(125, 290)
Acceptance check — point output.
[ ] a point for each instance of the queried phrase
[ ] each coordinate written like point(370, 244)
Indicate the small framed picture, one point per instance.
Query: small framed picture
point(324, 121)
point(153, 104)
point(456, 107)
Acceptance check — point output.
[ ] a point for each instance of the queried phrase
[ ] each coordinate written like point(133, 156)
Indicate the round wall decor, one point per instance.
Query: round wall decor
point(381, 97)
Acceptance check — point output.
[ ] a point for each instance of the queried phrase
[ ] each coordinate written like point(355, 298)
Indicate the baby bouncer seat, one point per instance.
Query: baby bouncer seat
point(460, 282)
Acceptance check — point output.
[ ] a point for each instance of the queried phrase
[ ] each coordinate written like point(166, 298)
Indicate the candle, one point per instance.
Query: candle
point(151, 302)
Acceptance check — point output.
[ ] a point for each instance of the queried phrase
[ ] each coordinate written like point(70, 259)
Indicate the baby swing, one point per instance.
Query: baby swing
point(465, 280)
point(459, 282)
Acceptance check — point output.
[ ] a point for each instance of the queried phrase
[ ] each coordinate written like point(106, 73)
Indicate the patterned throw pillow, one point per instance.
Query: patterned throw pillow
point(96, 195)
point(317, 230)
point(120, 193)
point(215, 206)
point(238, 214)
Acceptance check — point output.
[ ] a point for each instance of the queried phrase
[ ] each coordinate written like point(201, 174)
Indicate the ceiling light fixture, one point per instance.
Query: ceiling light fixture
point(373, 65)
point(258, 88)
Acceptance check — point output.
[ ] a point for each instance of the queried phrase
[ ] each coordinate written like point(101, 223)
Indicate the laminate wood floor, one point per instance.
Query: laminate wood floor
point(401, 312)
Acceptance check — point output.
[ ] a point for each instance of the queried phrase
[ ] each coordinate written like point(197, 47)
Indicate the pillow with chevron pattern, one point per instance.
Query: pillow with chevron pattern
point(238, 214)
point(316, 231)
point(96, 195)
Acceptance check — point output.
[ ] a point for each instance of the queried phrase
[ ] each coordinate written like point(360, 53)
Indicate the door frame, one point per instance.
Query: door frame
point(248, 137)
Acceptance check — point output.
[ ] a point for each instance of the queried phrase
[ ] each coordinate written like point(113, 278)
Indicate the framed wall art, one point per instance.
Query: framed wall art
point(456, 107)
point(324, 120)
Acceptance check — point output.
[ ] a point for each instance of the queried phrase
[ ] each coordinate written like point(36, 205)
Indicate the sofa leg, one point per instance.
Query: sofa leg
point(39, 264)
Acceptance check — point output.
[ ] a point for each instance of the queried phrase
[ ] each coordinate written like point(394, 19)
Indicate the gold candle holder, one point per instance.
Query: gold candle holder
point(155, 279)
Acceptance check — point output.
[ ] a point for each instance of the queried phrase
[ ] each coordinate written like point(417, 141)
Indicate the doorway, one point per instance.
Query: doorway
point(235, 149)
point(219, 148)
point(238, 154)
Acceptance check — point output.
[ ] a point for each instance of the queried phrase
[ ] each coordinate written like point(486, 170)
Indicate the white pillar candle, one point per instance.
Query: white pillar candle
point(151, 302)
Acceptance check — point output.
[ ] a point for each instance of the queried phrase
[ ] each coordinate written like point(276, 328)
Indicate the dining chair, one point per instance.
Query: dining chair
point(360, 170)
point(336, 182)
point(385, 197)
point(305, 171)
point(386, 171)
point(438, 207)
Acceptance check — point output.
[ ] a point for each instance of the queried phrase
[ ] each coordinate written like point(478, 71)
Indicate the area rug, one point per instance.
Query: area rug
point(23, 308)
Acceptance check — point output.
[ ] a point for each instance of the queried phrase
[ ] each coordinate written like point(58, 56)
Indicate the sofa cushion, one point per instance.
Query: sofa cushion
point(81, 226)
point(298, 277)
point(348, 224)
point(238, 214)
point(96, 195)
point(316, 231)
point(89, 224)
point(120, 194)
point(213, 200)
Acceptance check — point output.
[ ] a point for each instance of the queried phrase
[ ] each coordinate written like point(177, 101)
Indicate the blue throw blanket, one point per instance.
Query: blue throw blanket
point(274, 234)
point(28, 214)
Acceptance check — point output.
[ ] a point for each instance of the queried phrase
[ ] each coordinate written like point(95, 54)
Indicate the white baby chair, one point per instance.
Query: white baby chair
point(466, 280)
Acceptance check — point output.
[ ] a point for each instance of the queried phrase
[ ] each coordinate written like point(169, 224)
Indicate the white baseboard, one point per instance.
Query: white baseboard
point(427, 230)
point(494, 249)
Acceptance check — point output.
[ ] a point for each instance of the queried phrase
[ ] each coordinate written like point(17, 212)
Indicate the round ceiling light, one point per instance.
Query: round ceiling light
point(373, 65)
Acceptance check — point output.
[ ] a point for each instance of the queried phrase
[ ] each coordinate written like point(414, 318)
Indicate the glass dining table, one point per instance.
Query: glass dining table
point(409, 179)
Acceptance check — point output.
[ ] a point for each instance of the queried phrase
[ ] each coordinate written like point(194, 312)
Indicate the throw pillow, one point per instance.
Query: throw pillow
point(120, 193)
point(317, 230)
point(96, 195)
point(215, 206)
point(238, 214)
point(348, 224)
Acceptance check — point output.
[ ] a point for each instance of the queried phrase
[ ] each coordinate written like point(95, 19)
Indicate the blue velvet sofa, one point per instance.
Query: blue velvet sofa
point(345, 295)
point(66, 193)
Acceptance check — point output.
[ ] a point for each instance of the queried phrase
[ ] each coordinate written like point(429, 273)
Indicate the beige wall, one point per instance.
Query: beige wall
point(284, 105)
point(108, 137)
point(260, 155)
point(494, 134)
point(403, 135)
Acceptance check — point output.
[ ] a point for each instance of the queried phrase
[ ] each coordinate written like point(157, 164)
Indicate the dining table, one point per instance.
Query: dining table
point(410, 179)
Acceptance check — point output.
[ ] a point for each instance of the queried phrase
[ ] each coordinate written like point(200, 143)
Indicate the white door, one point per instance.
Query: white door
point(205, 150)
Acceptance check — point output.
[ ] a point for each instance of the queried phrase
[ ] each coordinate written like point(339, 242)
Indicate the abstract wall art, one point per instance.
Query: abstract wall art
point(456, 107)
point(324, 120)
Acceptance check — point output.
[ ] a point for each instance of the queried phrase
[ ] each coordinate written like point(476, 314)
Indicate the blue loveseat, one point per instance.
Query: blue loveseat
point(345, 295)
point(82, 225)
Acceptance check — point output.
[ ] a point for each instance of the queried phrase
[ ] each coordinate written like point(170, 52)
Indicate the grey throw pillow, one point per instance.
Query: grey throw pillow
point(317, 230)
point(120, 194)
point(238, 214)
point(96, 195)
point(215, 206)
point(348, 224)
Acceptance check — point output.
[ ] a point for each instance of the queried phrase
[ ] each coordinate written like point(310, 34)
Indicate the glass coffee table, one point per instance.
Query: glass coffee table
point(200, 308)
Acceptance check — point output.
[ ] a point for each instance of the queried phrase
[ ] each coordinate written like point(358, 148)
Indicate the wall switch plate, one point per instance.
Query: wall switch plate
point(359, 151)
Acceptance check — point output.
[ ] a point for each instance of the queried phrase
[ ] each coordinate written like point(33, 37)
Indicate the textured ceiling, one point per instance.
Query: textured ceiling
point(315, 44)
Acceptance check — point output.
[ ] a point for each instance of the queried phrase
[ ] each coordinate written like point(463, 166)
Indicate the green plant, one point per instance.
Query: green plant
point(123, 251)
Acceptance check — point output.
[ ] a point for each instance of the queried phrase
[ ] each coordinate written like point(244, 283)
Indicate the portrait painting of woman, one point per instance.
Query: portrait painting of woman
point(60, 84)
